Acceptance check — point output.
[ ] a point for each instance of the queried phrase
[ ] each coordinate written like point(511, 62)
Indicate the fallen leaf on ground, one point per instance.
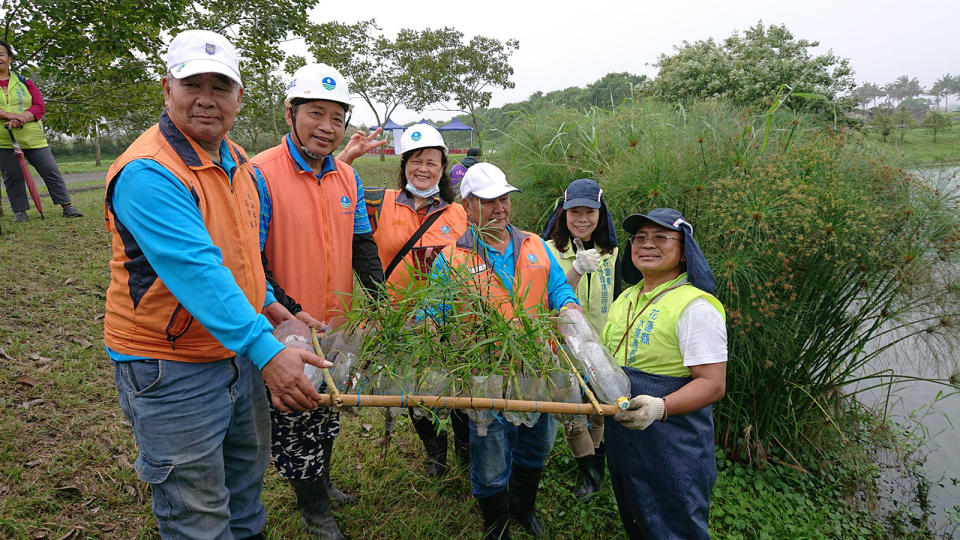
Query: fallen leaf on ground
point(359, 467)
point(98, 316)
point(68, 489)
point(68, 281)
point(85, 343)
point(132, 491)
point(26, 380)
point(366, 427)
point(73, 533)
point(31, 403)
point(33, 463)
point(124, 462)
point(4, 355)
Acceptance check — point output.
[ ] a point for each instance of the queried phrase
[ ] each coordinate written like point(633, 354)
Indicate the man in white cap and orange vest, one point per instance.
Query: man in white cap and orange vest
point(183, 321)
point(315, 234)
point(506, 462)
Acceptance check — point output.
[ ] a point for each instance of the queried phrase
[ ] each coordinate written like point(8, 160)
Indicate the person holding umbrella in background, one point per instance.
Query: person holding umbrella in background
point(21, 108)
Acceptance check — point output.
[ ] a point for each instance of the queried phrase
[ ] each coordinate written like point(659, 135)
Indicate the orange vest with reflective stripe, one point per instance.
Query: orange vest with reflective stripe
point(397, 221)
point(530, 274)
point(310, 239)
point(142, 317)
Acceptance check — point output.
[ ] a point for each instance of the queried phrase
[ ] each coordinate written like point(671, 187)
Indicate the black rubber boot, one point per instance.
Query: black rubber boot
point(524, 484)
point(495, 510)
point(589, 478)
point(314, 504)
point(71, 211)
point(335, 494)
point(461, 436)
point(434, 443)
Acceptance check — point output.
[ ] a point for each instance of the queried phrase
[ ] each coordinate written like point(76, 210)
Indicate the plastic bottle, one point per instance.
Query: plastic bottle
point(593, 360)
point(294, 333)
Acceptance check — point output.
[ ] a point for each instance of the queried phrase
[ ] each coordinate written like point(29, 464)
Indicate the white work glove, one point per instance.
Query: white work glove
point(642, 412)
point(588, 260)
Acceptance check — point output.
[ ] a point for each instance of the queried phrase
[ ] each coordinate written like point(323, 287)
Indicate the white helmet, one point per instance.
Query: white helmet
point(421, 136)
point(319, 81)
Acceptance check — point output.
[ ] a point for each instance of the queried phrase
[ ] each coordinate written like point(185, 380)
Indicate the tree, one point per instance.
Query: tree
point(389, 73)
point(99, 61)
point(903, 88)
point(936, 121)
point(882, 122)
point(943, 87)
point(477, 67)
point(903, 119)
point(749, 69)
point(867, 93)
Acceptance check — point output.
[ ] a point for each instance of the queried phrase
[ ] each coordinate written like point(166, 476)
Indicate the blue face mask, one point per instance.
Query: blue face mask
point(423, 193)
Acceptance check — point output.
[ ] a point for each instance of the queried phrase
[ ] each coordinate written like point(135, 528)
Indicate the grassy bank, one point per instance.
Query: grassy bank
point(66, 450)
point(918, 147)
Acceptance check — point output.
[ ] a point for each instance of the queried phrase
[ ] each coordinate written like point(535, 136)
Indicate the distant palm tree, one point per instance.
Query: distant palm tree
point(903, 88)
point(868, 93)
point(943, 87)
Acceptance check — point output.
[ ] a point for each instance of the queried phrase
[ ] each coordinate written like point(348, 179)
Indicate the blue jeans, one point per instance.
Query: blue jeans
point(492, 457)
point(203, 430)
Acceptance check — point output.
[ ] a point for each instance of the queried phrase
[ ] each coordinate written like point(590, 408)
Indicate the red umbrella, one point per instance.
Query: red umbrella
point(31, 185)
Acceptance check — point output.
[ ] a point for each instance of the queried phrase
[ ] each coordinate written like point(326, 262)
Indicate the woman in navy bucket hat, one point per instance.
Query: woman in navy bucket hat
point(583, 239)
point(668, 332)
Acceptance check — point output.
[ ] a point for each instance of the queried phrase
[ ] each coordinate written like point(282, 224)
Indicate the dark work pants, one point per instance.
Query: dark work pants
point(13, 182)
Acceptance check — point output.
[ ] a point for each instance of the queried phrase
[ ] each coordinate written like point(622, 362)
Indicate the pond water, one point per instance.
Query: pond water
point(928, 409)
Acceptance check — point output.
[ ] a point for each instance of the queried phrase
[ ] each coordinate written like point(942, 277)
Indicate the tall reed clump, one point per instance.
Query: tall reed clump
point(824, 254)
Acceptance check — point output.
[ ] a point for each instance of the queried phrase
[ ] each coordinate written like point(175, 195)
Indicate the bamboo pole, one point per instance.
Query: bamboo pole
point(586, 389)
point(446, 402)
point(326, 373)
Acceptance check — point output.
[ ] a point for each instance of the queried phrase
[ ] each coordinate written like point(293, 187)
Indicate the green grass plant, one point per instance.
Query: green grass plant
point(825, 254)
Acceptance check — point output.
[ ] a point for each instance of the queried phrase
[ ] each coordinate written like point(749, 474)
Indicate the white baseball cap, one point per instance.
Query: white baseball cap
point(485, 181)
point(202, 51)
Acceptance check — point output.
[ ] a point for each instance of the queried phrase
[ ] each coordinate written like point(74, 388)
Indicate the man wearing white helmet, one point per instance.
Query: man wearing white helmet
point(314, 234)
point(191, 351)
point(507, 461)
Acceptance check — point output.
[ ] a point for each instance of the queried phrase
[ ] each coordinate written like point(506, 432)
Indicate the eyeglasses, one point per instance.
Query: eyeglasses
point(658, 239)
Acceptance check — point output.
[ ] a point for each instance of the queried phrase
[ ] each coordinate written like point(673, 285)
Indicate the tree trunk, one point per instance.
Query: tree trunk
point(476, 128)
point(96, 142)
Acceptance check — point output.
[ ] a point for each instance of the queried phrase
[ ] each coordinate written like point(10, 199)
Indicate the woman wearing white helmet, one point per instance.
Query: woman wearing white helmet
point(314, 234)
point(422, 221)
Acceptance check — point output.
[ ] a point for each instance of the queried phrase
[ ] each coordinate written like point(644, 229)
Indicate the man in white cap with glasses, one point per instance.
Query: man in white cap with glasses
point(315, 234)
point(183, 321)
point(506, 462)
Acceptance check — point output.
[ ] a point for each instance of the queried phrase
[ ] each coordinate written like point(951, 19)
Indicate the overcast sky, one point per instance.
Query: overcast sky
point(575, 43)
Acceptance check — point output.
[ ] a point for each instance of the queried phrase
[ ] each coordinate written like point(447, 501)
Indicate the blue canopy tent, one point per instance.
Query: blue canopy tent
point(396, 129)
point(456, 125)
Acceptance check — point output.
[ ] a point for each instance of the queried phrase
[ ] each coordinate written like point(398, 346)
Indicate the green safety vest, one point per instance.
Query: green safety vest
point(16, 100)
point(651, 343)
point(595, 294)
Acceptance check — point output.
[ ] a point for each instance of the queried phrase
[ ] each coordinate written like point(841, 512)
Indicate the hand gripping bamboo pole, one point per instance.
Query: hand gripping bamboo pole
point(326, 373)
point(489, 404)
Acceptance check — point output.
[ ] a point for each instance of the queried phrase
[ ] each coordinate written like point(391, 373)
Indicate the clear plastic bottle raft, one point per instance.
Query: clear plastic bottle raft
point(595, 363)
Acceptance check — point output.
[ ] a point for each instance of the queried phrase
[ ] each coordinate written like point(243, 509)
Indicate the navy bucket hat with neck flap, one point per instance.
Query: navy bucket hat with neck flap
point(698, 271)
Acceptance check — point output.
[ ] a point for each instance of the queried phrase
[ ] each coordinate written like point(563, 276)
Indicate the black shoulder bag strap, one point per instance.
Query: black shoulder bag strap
point(413, 240)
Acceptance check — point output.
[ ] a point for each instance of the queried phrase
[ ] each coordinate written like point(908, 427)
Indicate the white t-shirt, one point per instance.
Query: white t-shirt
point(702, 334)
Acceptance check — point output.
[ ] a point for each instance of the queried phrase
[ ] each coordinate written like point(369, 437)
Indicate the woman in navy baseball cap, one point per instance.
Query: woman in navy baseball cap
point(582, 237)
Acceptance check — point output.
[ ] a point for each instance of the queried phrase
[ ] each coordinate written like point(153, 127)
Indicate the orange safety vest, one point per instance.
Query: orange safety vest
point(310, 238)
point(397, 220)
point(530, 275)
point(142, 317)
